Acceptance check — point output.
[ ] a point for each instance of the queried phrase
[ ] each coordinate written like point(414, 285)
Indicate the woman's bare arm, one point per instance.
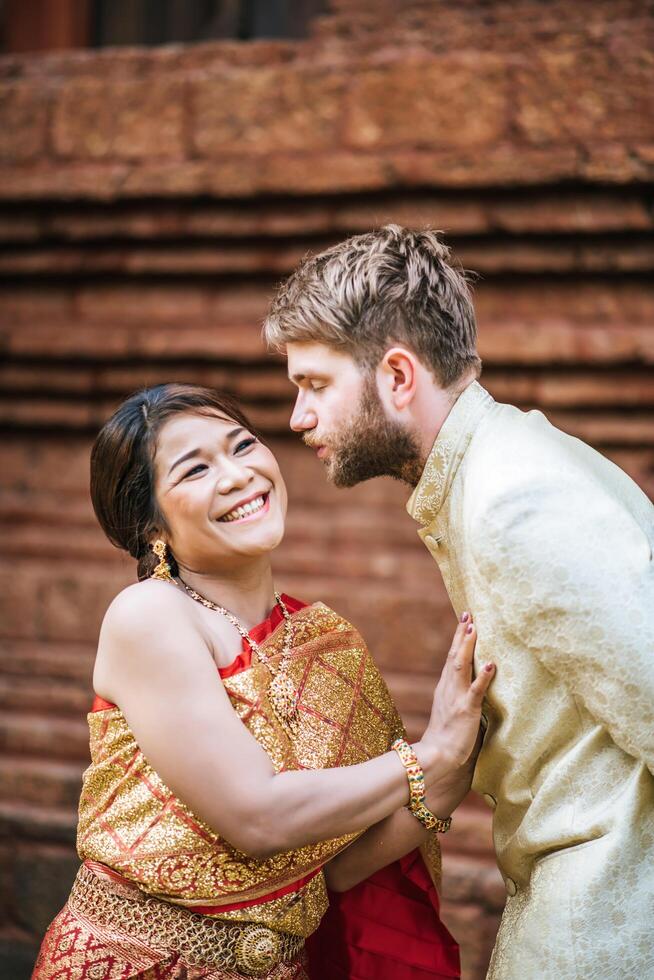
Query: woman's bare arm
point(157, 668)
point(393, 837)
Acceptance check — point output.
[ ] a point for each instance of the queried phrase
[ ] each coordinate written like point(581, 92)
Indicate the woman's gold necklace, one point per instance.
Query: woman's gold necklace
point(281, 691)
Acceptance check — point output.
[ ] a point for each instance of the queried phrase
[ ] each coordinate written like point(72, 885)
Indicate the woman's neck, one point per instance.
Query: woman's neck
point(248, 592)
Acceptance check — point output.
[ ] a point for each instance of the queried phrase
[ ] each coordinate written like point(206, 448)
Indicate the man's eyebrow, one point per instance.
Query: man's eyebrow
point(197, 452)
point(317, 375)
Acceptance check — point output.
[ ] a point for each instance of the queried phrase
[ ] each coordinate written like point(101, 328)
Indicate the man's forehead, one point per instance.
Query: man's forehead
point(313, 360)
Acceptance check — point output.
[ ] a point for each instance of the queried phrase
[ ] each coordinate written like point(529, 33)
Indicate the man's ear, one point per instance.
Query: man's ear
point(397, 375)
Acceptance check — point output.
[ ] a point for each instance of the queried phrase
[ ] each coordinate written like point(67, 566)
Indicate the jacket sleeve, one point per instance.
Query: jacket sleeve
point(571, 578)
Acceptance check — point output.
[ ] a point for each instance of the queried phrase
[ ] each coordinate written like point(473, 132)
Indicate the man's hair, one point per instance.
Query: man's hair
point(388, 286)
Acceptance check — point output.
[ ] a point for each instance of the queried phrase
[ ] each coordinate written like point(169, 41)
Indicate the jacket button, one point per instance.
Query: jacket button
point(492, 802)
point(511, 887)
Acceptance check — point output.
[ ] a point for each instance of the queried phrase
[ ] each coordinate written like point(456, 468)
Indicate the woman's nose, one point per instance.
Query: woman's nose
point(233, 475)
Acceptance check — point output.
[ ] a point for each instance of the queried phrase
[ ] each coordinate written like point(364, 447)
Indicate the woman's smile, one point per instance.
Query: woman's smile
point(230, 478)
point(254, 506)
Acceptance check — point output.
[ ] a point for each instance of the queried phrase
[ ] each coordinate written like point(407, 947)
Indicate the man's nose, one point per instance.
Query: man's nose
point(302, 418)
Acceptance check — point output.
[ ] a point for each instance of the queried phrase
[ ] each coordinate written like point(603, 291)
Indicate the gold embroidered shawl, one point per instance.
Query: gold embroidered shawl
point(132, 823)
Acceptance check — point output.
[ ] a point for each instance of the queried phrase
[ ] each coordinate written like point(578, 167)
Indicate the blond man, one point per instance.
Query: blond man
point(549, 545)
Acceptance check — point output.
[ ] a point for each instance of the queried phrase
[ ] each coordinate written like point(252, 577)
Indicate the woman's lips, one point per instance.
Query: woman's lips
point(251, 517)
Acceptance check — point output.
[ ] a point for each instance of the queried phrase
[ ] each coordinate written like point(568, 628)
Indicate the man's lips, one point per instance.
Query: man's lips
point(319, 449)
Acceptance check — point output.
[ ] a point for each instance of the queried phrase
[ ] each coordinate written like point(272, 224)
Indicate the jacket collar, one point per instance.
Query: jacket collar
point(447, 452)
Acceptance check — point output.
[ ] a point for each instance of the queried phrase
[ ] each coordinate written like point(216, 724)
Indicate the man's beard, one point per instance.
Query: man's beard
point(370, 445)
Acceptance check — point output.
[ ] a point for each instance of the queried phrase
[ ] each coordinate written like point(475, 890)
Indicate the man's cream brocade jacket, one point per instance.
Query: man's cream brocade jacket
point(550, 546)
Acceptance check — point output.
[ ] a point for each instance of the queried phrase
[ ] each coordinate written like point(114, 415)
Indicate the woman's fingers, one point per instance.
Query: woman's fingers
point(459, 634)
point(482, 682)
point(463, 648)
point(460, 659)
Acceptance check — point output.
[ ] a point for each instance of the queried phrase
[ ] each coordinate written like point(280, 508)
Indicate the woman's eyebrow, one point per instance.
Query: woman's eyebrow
point(197, 452)
point(182, 459)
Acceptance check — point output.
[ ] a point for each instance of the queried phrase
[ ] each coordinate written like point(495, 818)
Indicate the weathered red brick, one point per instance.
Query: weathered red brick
point(31, 821)
point(264, 176)
point(128, 120)
point(227, 176)
point(455, 101)
point(42, 877)
point(279, 109)
point(46, 783)
point(497, 166)
point(35, 467)
point(72, 607)
point(28, 304)
point(471, 833)
point(615, 163)
point(57, 664)
point(565, 95)
point(580, 301)
point(23, 121)
point(472, 879)
point(590, 209)
point(133, 337)
point(510, 343)
point(143, 301)
point(20, 227)
point(602, 430)
point(27, 694)
point(66, 738)
point(475, 929)
point(17, 952)
point(583, 388)
point(74, 180)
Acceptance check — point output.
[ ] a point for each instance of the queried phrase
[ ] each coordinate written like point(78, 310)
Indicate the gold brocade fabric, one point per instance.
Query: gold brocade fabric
point(130, 822)
point(550, 546)
point(108, 937)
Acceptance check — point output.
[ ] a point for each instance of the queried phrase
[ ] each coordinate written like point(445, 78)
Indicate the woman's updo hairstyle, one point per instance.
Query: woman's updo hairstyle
point(122, 463)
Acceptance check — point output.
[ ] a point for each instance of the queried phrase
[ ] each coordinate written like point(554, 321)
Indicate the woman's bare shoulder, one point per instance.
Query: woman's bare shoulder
point(147, 627)
point(142, 603)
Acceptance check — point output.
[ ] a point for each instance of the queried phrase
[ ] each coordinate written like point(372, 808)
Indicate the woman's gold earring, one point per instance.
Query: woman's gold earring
point(162, 571)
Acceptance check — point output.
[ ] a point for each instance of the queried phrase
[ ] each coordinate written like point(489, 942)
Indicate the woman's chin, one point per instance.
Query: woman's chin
point(271, 539)
point(260, 541)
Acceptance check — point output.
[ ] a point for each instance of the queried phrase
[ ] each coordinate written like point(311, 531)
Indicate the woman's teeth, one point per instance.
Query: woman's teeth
point(240, 512)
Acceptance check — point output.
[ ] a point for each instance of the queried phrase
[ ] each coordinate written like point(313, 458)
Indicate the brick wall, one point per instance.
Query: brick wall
point(149, 200)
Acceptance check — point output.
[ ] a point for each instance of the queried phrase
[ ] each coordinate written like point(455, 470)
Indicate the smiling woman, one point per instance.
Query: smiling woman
point(248, 781)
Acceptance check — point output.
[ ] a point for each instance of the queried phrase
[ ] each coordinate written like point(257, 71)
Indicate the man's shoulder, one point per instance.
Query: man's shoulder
point(513, 448)
point(519, 462)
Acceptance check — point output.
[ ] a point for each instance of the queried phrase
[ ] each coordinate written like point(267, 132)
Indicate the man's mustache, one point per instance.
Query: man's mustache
point(311, 442)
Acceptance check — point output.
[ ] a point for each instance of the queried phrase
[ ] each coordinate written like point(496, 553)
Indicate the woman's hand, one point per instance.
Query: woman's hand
point(453, 732)
point(448, 752)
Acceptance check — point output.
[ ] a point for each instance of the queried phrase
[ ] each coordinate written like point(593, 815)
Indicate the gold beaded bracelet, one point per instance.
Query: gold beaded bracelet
point(416, 777)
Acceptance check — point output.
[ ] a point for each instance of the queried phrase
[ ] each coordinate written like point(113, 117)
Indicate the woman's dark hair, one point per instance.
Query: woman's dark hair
point(122, 463)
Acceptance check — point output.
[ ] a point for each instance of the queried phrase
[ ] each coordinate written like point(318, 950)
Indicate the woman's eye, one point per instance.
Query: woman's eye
point(244, 444)
point(196, 469)
point(317, 387)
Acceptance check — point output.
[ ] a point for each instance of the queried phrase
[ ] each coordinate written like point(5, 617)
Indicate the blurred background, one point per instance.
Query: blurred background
point(162, 165)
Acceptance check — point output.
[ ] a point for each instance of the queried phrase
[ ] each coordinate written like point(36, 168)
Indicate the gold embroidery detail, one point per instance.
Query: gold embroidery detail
point(131, 821)
point(201, 940)
point(447, 452)
point(258, 949)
